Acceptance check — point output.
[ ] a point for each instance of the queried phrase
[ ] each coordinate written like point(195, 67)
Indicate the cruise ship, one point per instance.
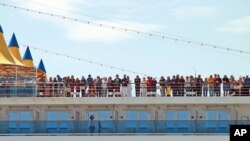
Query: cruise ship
point(26, 112)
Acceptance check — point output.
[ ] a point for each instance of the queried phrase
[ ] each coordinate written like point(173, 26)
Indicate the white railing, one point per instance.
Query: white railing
point(59, 89)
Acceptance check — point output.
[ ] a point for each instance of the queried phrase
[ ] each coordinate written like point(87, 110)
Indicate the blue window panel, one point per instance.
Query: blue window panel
point(170, 117)
point(223, 117)
point(52, 116)
point(106, 124)
point(183, 117)
point(13, 124)
point(25, 118)
point(64, 117)
point(131, 115)
point(12, 118)
point(64, 124)
point(104, 115)
point(210, 117)
point(143, 116)
point(51, 124)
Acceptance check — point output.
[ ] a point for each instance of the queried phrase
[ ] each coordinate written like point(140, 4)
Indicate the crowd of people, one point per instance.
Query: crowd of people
point(176, 85)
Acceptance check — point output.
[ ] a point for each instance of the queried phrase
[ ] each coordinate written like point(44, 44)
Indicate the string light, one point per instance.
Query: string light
point(164, 37)
point(84, 60)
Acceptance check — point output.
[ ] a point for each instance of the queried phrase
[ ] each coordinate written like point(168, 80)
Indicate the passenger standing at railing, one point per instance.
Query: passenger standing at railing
point(211, 85)
point(193, 84)
point(61, 87)
point(205, 87)
point(55, 86)
point(182, 82)
point(226, 85)
point(217, 85)
point(72, 85)
point(50, 87)
point(199, 82)
point(98, 86)
point(246, 86)
point(124, 88)
point(129, 87)
point(173, 86)
point(154, 87)
point(90, 84)
point(67, 85)
point(83, 85)
point(177, 85)
point(137, 82)
point(104, 86)
point(117, 85)
point(77, 87)
point(41, 86)
point(143, 87)
point(162, 86)
point(110, 87)
point(233, 85)
point(168, 86)
point(187, 85)
point(239, 86)
point(149, 86)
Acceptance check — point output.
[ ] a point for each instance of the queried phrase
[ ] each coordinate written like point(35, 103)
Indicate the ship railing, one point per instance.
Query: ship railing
point(60, 89)
point(115, 127)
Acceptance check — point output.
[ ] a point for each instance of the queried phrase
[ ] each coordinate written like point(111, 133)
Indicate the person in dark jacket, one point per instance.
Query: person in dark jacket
point(83, 85)
point(117, 85)
point(162, 86)
point(199, 83)
point(154, 87)
point(110, 87)
point(137, 82)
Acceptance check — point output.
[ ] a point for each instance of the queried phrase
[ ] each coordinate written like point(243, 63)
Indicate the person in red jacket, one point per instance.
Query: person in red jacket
point(149, 84)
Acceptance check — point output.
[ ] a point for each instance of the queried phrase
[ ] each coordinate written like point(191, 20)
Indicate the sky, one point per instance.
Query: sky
point(225, 23)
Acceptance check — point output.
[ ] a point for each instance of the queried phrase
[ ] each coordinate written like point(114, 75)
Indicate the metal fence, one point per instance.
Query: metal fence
point(59, 89)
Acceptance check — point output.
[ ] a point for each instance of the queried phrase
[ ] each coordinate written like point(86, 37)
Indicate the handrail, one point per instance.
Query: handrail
point(56, 89)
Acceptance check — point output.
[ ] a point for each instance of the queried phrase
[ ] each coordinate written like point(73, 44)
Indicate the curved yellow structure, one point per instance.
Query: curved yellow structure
point(6, 57)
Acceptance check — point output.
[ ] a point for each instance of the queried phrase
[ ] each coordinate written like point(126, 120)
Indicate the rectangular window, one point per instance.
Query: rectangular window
point(183, 117)
point(211, 117)
point(102, 120)
point(19, 121)
point(137, 119)
point(170, 119)
point(177, 119)
point(216, 119)
point(58, 121)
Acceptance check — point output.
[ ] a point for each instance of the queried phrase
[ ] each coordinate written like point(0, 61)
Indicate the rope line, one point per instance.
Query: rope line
point(139, 32)
point(85, 60)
